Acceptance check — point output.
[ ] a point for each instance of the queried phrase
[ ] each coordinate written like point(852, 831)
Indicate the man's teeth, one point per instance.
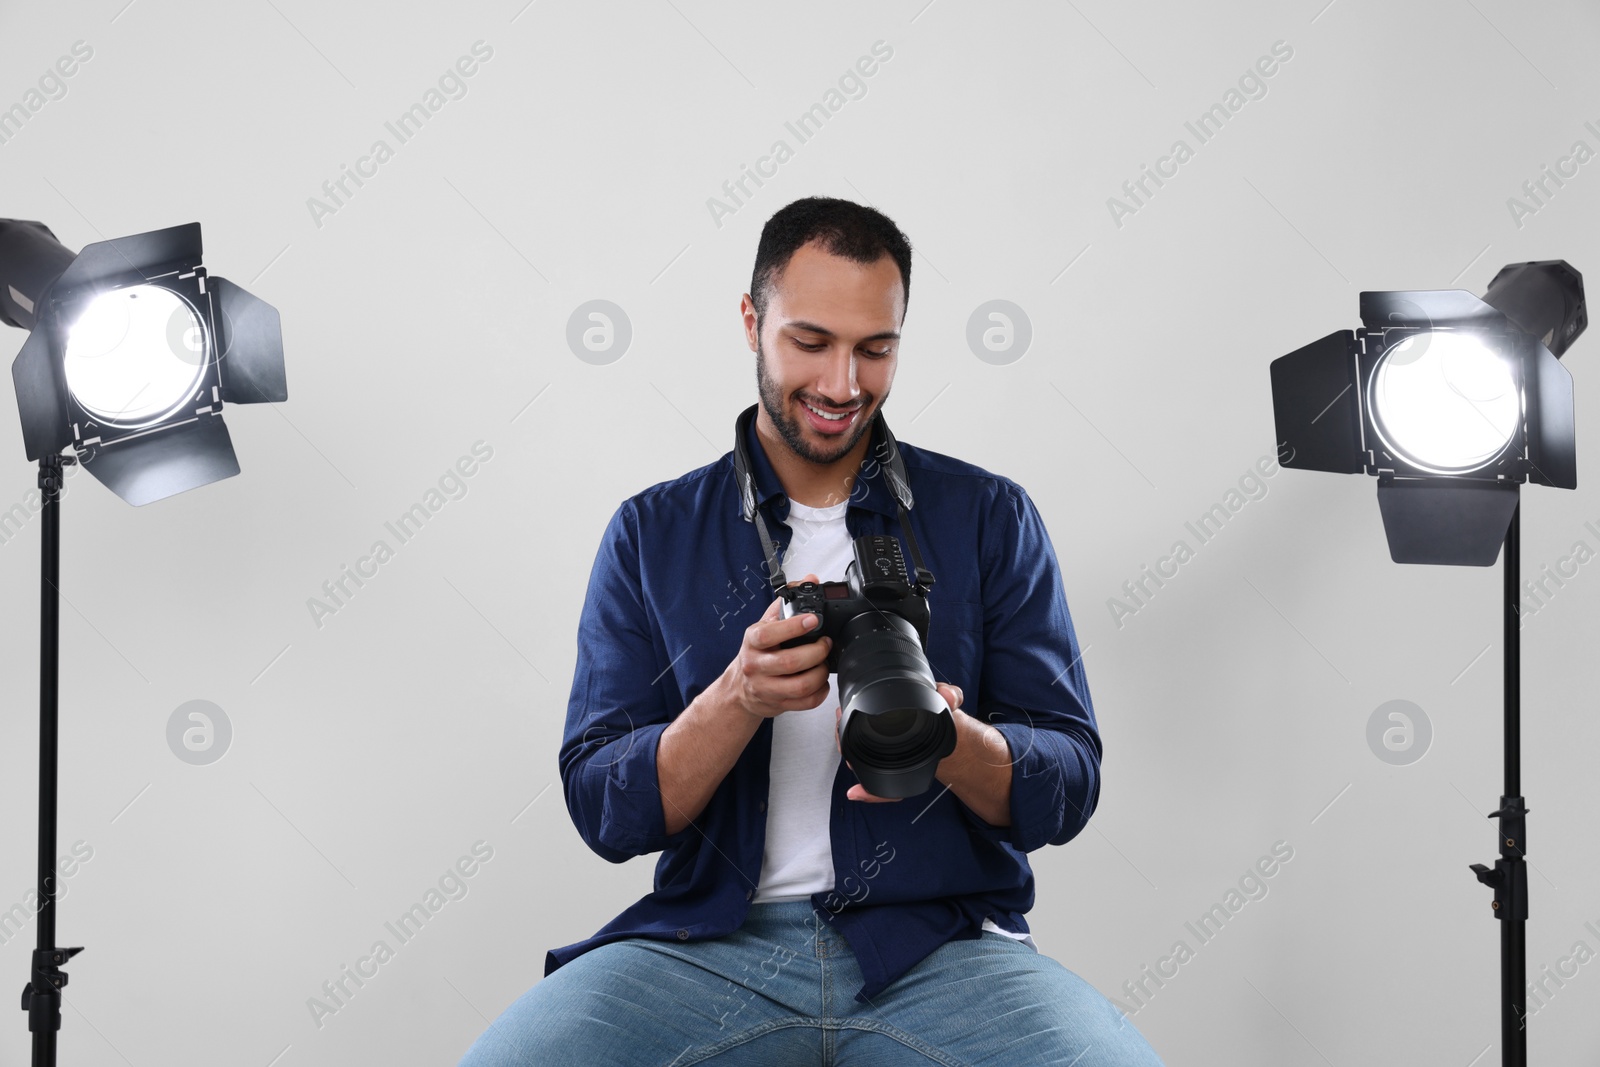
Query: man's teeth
point(825, 415)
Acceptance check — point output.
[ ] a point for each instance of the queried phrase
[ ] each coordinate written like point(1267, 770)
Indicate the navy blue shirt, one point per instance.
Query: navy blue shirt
point(680, 575)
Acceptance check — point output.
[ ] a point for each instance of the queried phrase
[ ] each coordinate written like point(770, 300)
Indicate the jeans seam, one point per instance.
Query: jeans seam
point(829, 1029)
point(826, 1006)
point(915, 1044)
point(744, 1036)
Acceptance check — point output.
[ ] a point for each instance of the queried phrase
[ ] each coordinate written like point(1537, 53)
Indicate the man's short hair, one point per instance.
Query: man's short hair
point(860, 234)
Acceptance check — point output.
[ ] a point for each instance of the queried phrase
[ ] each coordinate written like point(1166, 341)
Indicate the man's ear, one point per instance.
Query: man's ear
point(752, 330)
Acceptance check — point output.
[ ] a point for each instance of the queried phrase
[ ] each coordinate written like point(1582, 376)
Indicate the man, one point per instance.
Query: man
point(797, 919)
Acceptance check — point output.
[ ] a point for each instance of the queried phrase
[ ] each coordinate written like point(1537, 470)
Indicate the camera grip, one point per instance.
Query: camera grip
point(803, 599)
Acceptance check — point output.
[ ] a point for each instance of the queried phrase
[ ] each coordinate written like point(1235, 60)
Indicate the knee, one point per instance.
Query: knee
point(589, 1011)
point(1108, 1035)
point(497, 1046)
point(1125, 1046)
point(534, 1031)
point(1112, 1038)
point(483, 1053)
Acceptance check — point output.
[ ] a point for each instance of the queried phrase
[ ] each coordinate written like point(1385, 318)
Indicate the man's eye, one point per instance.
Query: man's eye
point(818, 347)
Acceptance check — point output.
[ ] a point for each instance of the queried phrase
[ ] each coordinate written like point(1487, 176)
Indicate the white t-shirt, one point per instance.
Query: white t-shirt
point(798, 857)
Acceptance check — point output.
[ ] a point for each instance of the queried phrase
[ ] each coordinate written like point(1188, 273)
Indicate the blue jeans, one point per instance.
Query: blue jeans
point(780, 991)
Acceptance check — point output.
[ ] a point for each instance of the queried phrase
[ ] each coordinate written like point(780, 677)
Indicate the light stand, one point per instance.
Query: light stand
point(41, 997)
point(1509, 878)
point(132, 351)
point(1450, 467)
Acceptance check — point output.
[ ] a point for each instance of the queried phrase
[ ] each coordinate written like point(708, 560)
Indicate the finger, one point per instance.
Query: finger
point(815, 699)
point(775, 611)
point(779, 662)
point(773, 629)
point(769, 633)
point(859, 792)
point(811, 684)
point(802, 702)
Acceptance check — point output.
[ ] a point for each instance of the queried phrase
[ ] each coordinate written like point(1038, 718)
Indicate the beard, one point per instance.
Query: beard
point(789, 427)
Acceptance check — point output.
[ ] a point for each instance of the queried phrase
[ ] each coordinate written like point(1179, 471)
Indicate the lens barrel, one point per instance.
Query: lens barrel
point(895, 726)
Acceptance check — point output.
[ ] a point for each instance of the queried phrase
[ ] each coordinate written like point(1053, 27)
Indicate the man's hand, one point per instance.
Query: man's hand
point(700, 746)
point(952, 697)
point(766, 680)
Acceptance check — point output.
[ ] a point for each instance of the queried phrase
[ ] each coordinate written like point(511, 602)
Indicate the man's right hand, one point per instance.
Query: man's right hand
point(700, 746)
point(766, 680)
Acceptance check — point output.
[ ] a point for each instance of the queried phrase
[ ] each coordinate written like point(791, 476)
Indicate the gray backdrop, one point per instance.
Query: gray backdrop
point(369, 747)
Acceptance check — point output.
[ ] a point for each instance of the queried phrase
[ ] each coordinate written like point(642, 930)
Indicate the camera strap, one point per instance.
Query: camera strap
point(892, 467)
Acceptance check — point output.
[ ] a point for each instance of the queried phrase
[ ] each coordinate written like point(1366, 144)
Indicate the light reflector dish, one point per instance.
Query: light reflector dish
point(135, 355)
point(1445, 401)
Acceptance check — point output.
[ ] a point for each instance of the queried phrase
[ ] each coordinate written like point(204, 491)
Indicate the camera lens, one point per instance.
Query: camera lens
point(896, 727)
point(888, 725)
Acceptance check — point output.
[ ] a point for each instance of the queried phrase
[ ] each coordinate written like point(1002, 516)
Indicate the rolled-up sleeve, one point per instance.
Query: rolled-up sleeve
point(617, 711)
point(1032, 687)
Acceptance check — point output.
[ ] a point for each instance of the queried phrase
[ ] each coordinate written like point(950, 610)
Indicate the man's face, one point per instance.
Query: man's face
point(829, 340)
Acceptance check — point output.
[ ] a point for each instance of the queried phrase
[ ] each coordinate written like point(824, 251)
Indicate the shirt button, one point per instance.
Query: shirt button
point(748, 893)
point(683, 935)
point(762, 806)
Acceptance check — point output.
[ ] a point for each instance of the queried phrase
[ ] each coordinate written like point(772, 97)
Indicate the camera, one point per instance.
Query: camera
point(895, 727)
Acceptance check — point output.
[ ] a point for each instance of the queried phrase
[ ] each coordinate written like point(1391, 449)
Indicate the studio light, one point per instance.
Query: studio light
point(132, 351)
point(1453, 402)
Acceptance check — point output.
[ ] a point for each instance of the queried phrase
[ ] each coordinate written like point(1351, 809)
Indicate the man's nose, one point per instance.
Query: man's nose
point(838, 381)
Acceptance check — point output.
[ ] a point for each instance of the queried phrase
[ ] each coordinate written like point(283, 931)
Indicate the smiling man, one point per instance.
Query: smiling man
point(796, 918)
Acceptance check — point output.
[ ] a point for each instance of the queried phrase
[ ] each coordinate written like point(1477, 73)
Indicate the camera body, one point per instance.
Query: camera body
point(874, 581)
point(894, 727)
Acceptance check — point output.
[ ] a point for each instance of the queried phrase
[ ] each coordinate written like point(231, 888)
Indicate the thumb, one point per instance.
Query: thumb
point(773, 608)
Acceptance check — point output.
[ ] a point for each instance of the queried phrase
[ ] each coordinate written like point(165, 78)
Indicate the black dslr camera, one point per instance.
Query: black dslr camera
point(895, 727)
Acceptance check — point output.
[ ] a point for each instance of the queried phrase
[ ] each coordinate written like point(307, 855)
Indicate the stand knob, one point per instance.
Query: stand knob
point(41, 998)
